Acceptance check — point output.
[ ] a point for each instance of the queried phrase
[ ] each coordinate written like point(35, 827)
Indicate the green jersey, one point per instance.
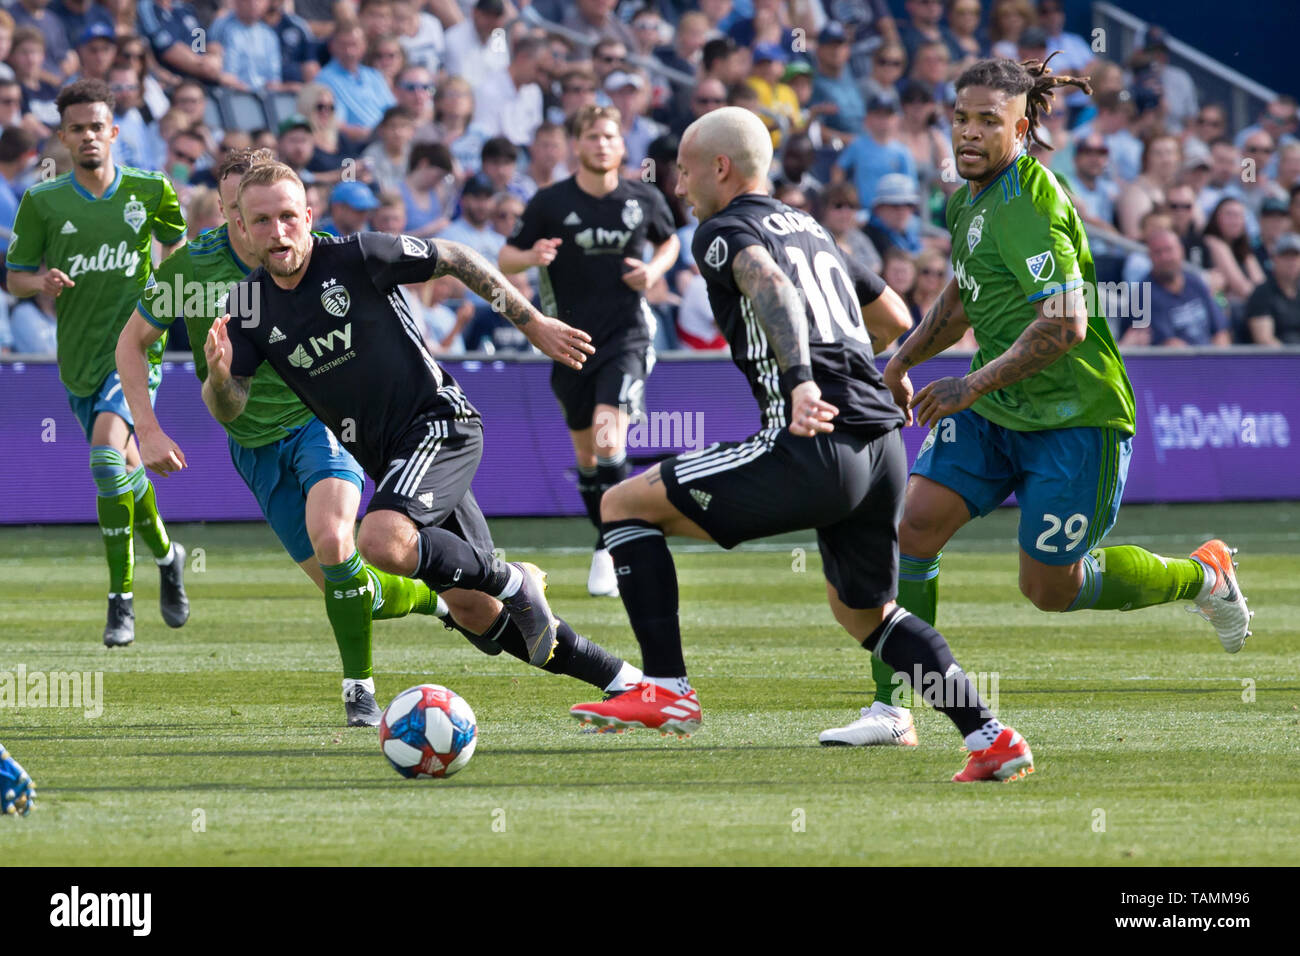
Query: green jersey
point(1016, 243)
point(192, 284)
point(105, 247)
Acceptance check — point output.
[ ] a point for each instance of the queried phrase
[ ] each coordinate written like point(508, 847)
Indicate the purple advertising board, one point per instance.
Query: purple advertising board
point(1211, 427)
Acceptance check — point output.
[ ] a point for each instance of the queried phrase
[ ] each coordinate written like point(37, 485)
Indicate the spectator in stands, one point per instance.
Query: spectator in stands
point(203, 212)
point(1278, 122)
point(6, 44)
point(1273, 309)
point(1197, 164)
point(414, 93)
point(499, 162)
point(351, 204)
point(577, 89)
point(453, 108)
point(59, 62)
point(899, 272)
point(1274, 223)
point(375, 17)
point(296, 147)
point(96, 51)
point(875, 153)
point(319, 15)
point(133, 146)
point(1076, 53)
point(894, 222)
point(132, 52)
point(11, 106)
point(708, 95)
point(1225, 175)
point(964, 24)
point(17, 155)
point(1007, 20)
point(648, 31)
point(1288, 166)
point(607, 56)
point(32, 325)
point(476, 47)
point(834, 85)
point(169, 27)
point(1161, 161)
point(426, 189)
point(473, 227)
point(888, 65)
point(506, 210)
point(298, 62)
point(782, 113)
point(923, 25)
point(1137, 263)
point(1228, 245)
point(332, 148)
point(250, 49)
point(509, 103)
point(595, 19)
point(546, 158)
point(439, 325)
point(1210, 124)
point(796, 162)
point(391, 150)
point(390, 215)
point(1256, 184)
point(931, 66)
point(360, 92)
point(688, 43)
point(793, 195)
point(1185, 220)
point(931, 277)
point(920, 133)
point(840, 217)
point(629, 90)
point(385, 55)
point(1115, 111)
point(1094, 189)
point(420, 33)
point(26, 58)
point(1178, 92)
point(184, 150)
point(1180, 309)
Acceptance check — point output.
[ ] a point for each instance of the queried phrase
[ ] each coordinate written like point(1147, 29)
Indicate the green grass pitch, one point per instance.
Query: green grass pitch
point(222, 743)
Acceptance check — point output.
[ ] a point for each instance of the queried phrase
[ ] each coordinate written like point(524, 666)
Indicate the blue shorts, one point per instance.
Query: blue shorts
point(1068, 481)
point(109, 398)
point(280, 474)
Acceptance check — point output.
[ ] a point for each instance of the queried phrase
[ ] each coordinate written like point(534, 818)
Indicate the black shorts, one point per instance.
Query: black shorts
point(618, 380)
point(849, 489)
point(428, 479)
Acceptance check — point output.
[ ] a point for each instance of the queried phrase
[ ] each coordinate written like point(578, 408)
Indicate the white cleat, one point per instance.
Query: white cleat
point(602, 581)
point(1225, 608)
point(876, 727)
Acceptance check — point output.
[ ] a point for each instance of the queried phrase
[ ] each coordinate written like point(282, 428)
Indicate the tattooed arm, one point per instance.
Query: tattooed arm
point(943, 326)
point(779, 309)
point(223, 393)
point(558, 341)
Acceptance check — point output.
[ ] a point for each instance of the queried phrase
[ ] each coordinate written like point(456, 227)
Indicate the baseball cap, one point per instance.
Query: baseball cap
point(99, 30)
point(478, 185)
point(493, 8)
point(770, 52)
point(295, 121)
point(1195, 154)
point(620, 79)
point(797, 68)
point(1032, 38)
point(896, 189)
point(1275, 206)
point(883, 103)
point(1287, 242)
point(833, 32)
point(354, 194)
point(1156, 39)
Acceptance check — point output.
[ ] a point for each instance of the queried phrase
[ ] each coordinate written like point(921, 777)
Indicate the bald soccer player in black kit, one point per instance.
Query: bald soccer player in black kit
point(328, 315)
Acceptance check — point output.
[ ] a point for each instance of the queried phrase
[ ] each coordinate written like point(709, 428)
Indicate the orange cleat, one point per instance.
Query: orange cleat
point(1008, 758)
point(646, 705)
point(1225, 608)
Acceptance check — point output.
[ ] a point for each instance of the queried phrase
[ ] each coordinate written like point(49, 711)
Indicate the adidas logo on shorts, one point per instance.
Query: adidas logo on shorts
point(426, 499)
point(702, 498)
point(276, 335)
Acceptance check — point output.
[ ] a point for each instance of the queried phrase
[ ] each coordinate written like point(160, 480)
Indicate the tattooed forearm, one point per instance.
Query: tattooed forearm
point(226, 402)
point(943, 326)
point(481, 276)
point(1042, 342)
point(776, 303)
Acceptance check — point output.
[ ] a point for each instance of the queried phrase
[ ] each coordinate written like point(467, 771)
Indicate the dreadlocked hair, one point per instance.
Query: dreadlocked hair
point(1034, 78)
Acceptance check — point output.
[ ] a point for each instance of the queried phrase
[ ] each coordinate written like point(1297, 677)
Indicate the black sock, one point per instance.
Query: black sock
point(447, 561)
point(921, 655)
point(590, 490)
point(647, 583)
point(609, 472)
point(485, 642)
point(574, 656)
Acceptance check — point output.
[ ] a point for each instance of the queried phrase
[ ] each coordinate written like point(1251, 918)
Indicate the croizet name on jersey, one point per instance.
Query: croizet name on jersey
point(106, 259)
point(965, 280)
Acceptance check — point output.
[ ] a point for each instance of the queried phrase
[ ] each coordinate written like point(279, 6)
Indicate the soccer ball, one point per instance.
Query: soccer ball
point(428, 731)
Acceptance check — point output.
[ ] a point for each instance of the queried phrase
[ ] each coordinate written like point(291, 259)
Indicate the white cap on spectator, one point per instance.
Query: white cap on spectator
point(1195, 153)
point(1287, 242)
point(619, 79)
point(896, 189)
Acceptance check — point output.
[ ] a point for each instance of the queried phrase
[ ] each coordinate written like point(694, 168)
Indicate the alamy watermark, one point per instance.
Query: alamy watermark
point(651, 429)
point(74, 689)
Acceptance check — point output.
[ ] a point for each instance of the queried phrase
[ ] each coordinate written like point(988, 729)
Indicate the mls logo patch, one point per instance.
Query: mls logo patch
point(716, 256)
point(413, 247)
point(632, 214)
point(134, 213)
point(335, 299)
point(1041, 266)
point(975, 233)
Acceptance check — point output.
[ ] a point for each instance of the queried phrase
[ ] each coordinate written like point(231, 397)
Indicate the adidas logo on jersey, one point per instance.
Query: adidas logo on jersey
point(299, 358)
point(572, 219)
point(702, 498)
point(276, 335)
point(68, 228)
point(426, 499)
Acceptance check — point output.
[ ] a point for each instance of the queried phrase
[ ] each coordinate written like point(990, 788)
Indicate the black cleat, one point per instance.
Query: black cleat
point(172, 601)
point(359, 703)
point(530, 612)
point(120, 629)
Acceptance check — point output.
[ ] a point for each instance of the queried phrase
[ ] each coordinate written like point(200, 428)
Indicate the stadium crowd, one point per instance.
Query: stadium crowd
point(444, 117)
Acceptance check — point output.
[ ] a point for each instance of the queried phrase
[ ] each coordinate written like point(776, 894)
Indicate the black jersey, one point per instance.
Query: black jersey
point(584, 285)
point(345, 342)
point(839, 345)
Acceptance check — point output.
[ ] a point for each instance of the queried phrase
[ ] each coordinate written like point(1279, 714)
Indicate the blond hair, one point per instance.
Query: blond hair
point(267, 174)
point(736, 133)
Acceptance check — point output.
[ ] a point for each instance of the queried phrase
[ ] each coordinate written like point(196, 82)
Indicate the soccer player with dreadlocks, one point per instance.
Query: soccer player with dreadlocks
point(1046, 410)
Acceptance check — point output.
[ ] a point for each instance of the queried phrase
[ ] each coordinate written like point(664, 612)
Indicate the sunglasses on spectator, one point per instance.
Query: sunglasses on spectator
point(124, 87)
point(131, 54)
point(10, 100)
point(1257, 148)
point(411, 87)
point(1180, 206)
point(185, 157)
point(324, 107)
point(575, 90)
point(610, 58)
point(844, 205)
point(505, 214)
point(1098, 150)
point(890, 62)
point(707, 100)
point(933, 272)
point(1209, 121)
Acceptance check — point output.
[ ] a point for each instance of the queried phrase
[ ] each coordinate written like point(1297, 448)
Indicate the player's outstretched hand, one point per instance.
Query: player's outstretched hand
point(55, 281)
point(544, 250)
point(160, 453)
point(636, 277)
point(942, 398)
point(900, 385)
point(559, 341)
point(216, 350)
point(17, 792)
point(809, 415)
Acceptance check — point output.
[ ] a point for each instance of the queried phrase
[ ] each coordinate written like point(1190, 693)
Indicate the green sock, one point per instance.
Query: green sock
point(348, 604)
point(396, 596)
point(918, 592)
point(147, 520)
point(1126, 577)
point(115, 506)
